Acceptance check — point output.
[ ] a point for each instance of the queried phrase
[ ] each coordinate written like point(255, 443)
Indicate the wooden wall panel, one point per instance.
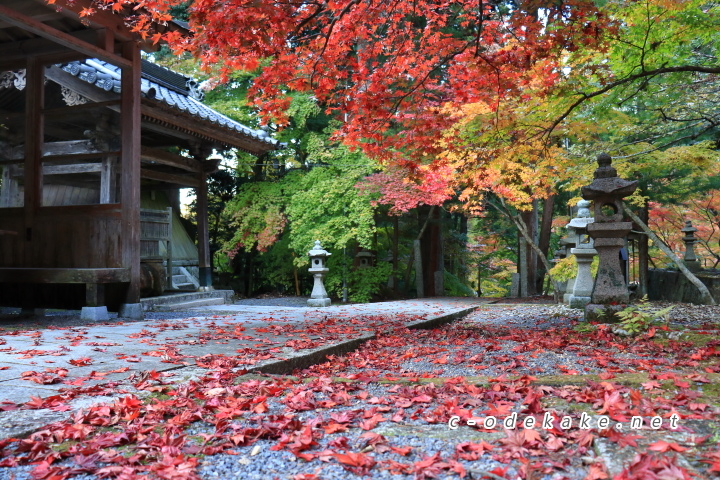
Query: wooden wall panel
point(77, 237)
point(11, 246)
point(63, 237)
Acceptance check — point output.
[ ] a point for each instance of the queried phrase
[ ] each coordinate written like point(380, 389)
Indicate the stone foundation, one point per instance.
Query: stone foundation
point(672, 286)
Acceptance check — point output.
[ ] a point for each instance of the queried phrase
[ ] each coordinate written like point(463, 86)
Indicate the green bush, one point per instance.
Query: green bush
point(455, 288)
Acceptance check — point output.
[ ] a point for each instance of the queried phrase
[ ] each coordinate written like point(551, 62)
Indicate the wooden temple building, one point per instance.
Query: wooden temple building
point(91, 135)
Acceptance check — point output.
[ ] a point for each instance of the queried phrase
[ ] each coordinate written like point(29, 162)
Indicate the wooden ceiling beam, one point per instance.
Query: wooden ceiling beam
point(33, 47)
point(163, 157)
point(27, 23)
point(100, 19)
point(184, 180)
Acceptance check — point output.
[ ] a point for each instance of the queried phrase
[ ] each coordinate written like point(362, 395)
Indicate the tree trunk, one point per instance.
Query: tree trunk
point(526, 235)
point(529, 219)
point(395, 250)
point(704, 292)
point(522, 266)
point(416, 257)
point(544, 238)
point(643, 254)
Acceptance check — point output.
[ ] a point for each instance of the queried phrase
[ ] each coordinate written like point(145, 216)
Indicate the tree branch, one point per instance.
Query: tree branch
point(646, 73)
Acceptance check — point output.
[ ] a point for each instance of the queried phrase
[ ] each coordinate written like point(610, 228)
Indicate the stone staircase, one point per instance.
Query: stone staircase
point(183, 279)
point(184, 301)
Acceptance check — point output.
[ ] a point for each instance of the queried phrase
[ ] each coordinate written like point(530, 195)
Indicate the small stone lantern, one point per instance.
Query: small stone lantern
point(690, 259)
point(318, 257)
point(609, 231)
point(584, 253)
point(364, 258)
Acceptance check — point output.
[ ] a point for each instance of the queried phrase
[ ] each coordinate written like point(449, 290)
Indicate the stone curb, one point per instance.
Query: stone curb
point(441, 320)
point(304, 359)
point(307, 358)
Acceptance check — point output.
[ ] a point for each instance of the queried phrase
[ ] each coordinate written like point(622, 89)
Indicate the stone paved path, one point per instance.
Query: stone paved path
point(46, 362)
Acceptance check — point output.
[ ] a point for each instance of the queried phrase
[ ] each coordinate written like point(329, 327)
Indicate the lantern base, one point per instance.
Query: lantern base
point(319, 302)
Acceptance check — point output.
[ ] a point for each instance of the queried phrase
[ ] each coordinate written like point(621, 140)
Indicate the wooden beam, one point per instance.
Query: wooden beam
point(72, 169)
point(184, 180)
point(70, 148)
point(64, 275)
point(163, 157)
point(24, 22)
point(100, 19)
point(85, 108)
point(33, 47)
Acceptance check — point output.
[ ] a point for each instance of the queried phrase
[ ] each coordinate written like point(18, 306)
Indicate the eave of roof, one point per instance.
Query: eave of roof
point(169, 91)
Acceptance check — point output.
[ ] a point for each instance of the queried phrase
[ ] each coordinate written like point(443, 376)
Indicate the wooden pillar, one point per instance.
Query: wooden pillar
point(203, 233)
point(34, 100)
point(130, 169)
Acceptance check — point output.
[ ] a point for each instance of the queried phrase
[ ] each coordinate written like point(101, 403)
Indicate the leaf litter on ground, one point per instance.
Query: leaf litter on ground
point(384, 409)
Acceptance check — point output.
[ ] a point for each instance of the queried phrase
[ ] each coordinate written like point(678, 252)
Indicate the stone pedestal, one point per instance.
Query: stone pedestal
point(133, 311)
point(94, 314)
point(610, 286)
point(581, 291)
point(583, 283)
point(570, 285)
point(319, 297)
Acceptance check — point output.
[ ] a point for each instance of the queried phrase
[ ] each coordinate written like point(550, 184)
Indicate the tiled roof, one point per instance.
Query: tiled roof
point(161, 84)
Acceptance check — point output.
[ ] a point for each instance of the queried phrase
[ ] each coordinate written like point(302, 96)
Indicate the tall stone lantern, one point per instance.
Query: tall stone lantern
point(584, 254)
point(608, 232)
point(318, 257)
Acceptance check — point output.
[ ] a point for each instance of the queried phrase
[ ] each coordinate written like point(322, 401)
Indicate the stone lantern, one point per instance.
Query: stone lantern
point(318, 257)
point(690, 259)
point(584, 253)
point(364, 258)
point(608, 231)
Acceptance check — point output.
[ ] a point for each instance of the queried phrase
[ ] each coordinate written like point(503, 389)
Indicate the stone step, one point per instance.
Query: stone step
point(152, 303)
point(202, 302)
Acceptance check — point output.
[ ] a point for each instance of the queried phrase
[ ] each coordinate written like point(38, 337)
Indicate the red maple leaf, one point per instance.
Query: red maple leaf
point(357, 463)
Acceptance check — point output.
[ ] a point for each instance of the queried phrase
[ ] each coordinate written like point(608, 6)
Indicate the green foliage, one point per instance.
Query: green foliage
point(565, 269)
point(277, 268)
point(635, 319)
point(258, 216)
point(221, 262)
point(363, 283)
point(585, 327)
point(455, 288)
